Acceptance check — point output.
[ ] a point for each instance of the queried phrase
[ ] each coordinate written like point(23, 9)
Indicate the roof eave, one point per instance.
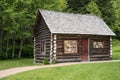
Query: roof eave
point(86, 34)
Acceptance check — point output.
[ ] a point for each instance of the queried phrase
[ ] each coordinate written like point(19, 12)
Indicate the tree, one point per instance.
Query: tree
point(77, 6)
point(116, 10)
point(5, 6)
point(17, 18)
point(2, 7)
point(105, 6)
point(27, 13)
point(92, 8)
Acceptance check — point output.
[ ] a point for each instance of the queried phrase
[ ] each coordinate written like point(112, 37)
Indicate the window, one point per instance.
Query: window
point(42, 46)
point(97, 44)
point(70, 46)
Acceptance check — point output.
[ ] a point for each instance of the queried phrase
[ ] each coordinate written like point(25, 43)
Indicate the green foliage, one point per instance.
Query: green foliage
point(17, 18)
point(54, 61)
point(105, 6)
point(27, 51)
point(45, 61)
point(77, 6)
point(3, 56)
point(116, 10)
point(93, 8)
point(97, 71)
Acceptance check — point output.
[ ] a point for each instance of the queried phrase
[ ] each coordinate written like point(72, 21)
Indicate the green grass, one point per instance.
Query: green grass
point(116, 50)
point(97, 71)
point(5, 64)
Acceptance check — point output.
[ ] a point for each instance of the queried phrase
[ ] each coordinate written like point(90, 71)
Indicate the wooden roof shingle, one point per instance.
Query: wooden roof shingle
point(69, 23)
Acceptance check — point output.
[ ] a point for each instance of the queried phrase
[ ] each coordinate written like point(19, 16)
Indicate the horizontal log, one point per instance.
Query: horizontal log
point(67, 38)
point(67, 57)
point(44, 32)
point(59, 50)
point(69, 60)
point(43, 36)
point(42, 58)
point(48, 53)
point(38, 52)
point(39, 61)
point(47, 45)
point(71, 35)
point(74, 54)
point(41, 55)
point(99, 52)
point(99, 59)
point(43, 27)
point(59, 41)
point(59, 46)
point(99, 56)
point(37, 49)
point(100, 38)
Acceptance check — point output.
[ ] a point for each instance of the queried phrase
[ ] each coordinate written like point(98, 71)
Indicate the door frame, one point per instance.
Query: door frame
point(88, 57)
point(88, 49)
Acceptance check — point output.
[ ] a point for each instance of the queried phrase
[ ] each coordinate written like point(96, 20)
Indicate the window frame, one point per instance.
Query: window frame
point(76, 46)
point(98, 43)
point(43, 47)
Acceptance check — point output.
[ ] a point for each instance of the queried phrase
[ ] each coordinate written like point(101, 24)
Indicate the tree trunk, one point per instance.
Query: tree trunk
point(6, 52)
point(13, 48)
point(20, 50)
point(0, 37)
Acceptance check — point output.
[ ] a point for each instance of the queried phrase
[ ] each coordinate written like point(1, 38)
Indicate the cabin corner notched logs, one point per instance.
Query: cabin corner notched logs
point(67, 37)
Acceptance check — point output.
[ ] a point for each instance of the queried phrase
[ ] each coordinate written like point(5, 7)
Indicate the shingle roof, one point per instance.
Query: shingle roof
point(69, 23)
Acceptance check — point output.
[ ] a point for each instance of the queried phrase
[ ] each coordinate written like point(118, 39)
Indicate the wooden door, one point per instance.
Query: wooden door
point(84, 49)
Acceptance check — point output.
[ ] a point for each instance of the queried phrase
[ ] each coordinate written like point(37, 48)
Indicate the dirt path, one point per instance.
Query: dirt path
point(8, 72)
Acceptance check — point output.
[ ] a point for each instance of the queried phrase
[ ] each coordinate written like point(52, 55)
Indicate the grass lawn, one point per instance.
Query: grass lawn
point(5, 64)
point(97, 71)
point(116, 50)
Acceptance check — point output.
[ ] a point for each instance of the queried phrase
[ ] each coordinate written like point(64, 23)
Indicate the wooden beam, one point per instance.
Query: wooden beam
point(51, 48)
point(34, 50)
point(111, 47)
point(54, 47)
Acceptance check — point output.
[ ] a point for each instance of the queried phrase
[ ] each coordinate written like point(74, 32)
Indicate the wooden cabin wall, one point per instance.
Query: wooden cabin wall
point(94, 53)
point(42, 34)
point(61, 56)
point(100, 53)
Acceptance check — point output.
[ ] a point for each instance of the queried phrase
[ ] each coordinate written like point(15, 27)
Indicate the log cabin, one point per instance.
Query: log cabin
point(68, 37)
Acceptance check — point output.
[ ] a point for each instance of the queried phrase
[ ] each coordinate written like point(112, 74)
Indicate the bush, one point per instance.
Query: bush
point(3, 57)
point(27, 51)
point(45, 61)
point(54, 61)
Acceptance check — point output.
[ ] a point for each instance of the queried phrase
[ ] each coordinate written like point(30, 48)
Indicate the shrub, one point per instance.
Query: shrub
point(54, 61)
point(45, 61)
point(27, 51)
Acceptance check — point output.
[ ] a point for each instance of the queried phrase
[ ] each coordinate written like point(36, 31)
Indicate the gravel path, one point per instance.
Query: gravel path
point(8, 72)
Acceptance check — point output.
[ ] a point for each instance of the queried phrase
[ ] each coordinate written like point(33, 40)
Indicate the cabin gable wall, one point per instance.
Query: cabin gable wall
point(42, 41)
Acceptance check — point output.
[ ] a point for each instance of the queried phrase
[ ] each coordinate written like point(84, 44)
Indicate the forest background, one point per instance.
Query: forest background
point(17, 19)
